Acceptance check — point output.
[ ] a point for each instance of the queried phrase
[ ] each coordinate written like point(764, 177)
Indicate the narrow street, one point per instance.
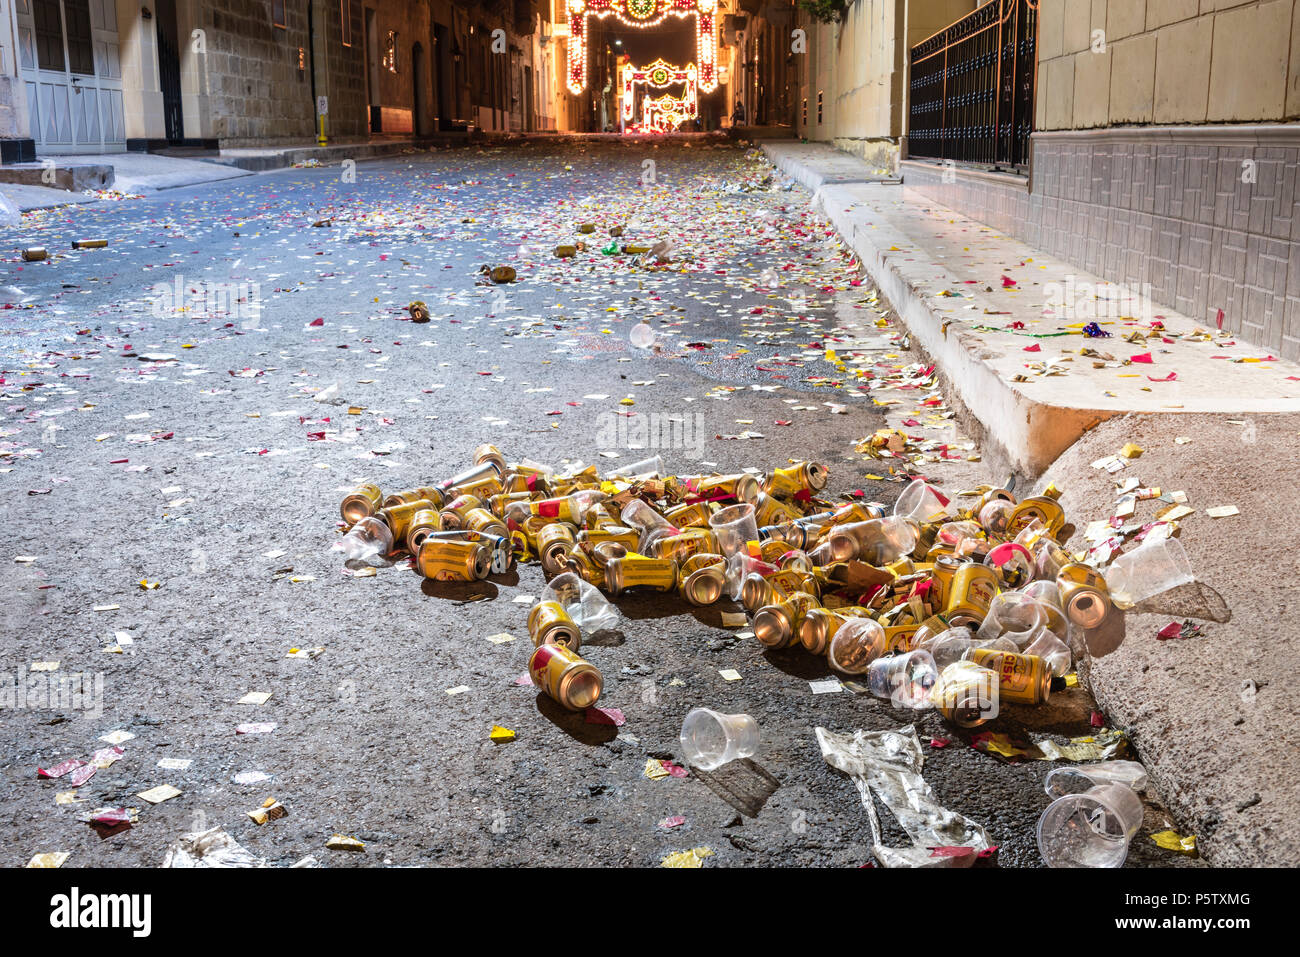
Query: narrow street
point(171, 481)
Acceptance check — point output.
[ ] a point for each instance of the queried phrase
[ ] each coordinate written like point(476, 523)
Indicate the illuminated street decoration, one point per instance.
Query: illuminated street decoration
point(666, 113)
point(658, 75)
point(644, 13)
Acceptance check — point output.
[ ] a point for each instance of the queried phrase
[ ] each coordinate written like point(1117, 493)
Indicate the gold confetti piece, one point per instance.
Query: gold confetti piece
point(341, 842)
point(67, 797)
point(300, 579)
point(156, 795)
point(1131, 451)
point(655, 770)
point(49, 859)
point(305, 652)
point(500, 639)
point(44, 666)
point(255, 697)
point(25, 559)
point(501, 734)
point(731, 674)
point(116, 737)
point(147, 585)
point(271, 810)
point(694, 858)
point(1173, 841)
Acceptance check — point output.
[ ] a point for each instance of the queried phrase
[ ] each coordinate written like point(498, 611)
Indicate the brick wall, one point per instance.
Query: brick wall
point(1206, 216)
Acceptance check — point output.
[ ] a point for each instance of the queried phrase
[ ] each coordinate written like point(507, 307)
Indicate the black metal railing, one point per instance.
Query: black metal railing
point(972, 89)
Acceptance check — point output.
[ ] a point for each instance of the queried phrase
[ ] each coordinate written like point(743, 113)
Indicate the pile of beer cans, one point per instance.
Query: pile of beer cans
point(981, 594)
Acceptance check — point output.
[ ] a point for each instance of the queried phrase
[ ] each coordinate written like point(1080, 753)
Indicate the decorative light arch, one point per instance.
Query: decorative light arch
point(644, 13)
point(667, 112)
point(659, 74)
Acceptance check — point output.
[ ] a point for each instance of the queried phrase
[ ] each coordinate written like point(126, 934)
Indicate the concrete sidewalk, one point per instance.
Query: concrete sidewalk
point(1005, 321)
point(1210, 715)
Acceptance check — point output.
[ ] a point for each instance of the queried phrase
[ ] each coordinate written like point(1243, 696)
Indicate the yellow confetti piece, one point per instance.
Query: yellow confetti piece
point(1173, 841)
point(693, 858)
point(341, 842)
point(147, 585)
point(655, 770)
point(48, 859)
point(626, 402)
point(1131, 451)
point(499, 733)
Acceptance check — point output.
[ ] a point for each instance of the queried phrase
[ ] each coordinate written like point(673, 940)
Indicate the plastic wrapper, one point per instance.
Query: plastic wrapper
point(888, 765)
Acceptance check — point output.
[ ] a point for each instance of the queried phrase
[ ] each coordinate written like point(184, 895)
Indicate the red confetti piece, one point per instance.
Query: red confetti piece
point(1143, 357)
point(1171, 630)
point(940, 742)
point(317, 322)
point(1034, 348)
point(606, 716)
point(1008, 282)
point(1097, 719)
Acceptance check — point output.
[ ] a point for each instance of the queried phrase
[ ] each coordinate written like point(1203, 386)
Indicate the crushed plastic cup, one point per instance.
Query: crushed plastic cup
point(1091, 829)
point(710, 739)
point(905, 679)
point(1147, 571)
point(740, 564)
point(588, 608)
point(1013, 615)
point(995, 516)
point(1076, 779)
point(921, 502)
point(646, 468)
point(1055, 653)
point(734, 526)
point(367, 539)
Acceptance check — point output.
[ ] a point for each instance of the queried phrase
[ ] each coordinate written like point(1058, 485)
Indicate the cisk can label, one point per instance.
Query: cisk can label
point(1022, 679)
point(444, 559)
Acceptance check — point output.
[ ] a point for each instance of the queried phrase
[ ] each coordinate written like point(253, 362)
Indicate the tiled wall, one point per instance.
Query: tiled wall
point(1176, 209)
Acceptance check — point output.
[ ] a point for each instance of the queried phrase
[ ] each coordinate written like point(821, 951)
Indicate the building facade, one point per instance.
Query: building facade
point(93, 76)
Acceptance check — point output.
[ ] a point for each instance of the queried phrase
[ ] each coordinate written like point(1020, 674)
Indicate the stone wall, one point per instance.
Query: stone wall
point(1107, 62)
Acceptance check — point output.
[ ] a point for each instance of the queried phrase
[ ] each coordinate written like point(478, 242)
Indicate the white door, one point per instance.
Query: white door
point(68, 57)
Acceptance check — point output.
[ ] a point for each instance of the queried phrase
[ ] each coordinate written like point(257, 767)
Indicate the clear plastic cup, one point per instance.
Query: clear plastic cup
point(642, 335)
point(734, 526)
point(1077, 779)
point(368, 538)
point(905, 680)
point(1092, 829)
point(921, 502)
point(877, 541)
point(1013, 615)
point(1055, 653)
point(710, 739)
point(646, 468)
point(588, 608)
point(857, 643)
point(1149, 570)
point(741, 564)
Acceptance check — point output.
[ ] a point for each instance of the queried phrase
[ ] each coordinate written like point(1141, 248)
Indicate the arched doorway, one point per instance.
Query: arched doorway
point(420, 77)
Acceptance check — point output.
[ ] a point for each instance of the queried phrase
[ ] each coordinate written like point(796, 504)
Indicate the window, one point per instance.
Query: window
point(345, 13)
point(49, 35)
point(277, 13)
point(819, 107)
point(81, 49)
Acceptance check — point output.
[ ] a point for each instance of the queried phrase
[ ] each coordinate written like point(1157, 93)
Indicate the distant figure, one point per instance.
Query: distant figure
point(738, 114)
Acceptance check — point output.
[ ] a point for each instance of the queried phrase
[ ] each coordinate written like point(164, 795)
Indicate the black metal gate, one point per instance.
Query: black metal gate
point(972, 87)
point(169, 72)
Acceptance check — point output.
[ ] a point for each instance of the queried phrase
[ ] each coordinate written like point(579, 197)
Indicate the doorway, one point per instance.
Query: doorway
point(372, 69)
point(420, 98)
point(443, 64)
point(70, 66)
point(169, 71)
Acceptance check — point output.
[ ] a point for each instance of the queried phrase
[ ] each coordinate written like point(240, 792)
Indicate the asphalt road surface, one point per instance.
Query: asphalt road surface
point(184, 408)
